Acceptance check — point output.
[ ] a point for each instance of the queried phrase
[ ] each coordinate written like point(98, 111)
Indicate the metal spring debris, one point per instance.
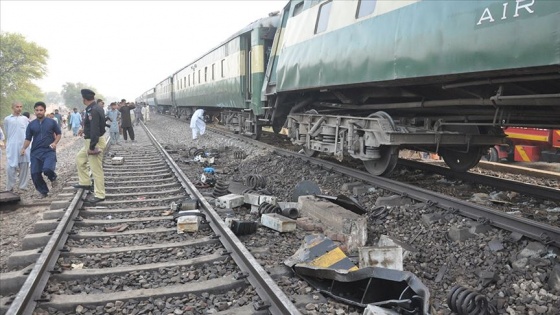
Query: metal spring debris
point(465, 301)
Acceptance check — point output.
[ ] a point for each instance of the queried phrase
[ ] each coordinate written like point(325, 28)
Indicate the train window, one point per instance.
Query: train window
point(205, 74)
point(199, 76)
point(323, 17)
point(223, 64)
point(213, 68)
point(297, 9)
point(185, 82)
point(189, 76)
point(365, 7)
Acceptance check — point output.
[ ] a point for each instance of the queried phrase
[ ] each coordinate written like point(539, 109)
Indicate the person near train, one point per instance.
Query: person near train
point(197, 123)
point(15, 126)
point(126, 121)
point(92, 152)
point(114, 115)
point(45, 134)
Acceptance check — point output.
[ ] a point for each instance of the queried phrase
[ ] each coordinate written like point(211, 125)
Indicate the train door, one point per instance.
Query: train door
point(248, 88)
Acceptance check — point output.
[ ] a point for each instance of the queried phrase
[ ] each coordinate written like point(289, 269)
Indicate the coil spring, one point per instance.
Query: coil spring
point(238, 155)
point(255, 181)
point(465, 301)
point(266, 207)
point(220, 189)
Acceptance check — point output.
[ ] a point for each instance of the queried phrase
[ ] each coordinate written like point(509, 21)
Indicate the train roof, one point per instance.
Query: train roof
point(270, 21)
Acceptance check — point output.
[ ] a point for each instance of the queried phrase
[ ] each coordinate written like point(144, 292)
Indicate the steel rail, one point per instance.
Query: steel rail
point(529, 228)
point(29, 294)
point(541, 192)
point(274, 298)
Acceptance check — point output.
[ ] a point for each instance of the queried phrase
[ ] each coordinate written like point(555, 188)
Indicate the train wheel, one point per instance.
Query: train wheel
point(491, 155)
point(386, 163)
point(310, 152)
point(461, 161)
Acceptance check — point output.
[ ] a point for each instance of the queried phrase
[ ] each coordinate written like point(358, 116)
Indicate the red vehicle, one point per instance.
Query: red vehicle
point(527, 145)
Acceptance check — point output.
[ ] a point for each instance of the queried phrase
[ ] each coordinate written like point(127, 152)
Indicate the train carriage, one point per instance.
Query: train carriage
point(366, 78)
point(227, 80)
point(164, 96)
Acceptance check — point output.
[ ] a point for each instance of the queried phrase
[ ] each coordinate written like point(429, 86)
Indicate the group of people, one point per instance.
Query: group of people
point(42, 135)
point(20, 132)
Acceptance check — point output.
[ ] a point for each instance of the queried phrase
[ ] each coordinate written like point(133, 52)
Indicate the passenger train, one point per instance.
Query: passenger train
point(366, 78)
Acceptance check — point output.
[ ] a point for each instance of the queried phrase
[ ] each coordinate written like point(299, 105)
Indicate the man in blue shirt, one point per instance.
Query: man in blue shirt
point(45, 134)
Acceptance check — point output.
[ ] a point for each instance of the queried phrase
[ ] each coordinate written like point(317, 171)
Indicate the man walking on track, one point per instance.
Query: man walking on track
point(45, 134)
point(94, 145)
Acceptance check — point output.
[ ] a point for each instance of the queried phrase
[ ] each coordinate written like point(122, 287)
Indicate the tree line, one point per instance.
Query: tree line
point(21, 62)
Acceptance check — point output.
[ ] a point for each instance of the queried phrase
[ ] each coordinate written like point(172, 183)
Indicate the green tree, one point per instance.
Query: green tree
point(28, 94)
point(53, 98)
point(72, 96)
point(20, 63)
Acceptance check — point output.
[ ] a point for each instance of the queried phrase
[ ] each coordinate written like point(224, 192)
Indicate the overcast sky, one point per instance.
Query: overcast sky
point(123, 48)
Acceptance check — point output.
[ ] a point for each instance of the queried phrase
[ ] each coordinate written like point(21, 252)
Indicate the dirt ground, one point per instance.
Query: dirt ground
point(17, 221)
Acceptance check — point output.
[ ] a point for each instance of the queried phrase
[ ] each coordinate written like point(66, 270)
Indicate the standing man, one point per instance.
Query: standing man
point(94, 145)
point(114, 115)
point(197, 123)
point(15, 126)
point(75, 121)
point(58, 118)
point(126, 122)
point(45, 134)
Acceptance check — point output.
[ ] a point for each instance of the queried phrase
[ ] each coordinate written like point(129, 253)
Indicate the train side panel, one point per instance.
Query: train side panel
point(416, 39)
point(215, 80)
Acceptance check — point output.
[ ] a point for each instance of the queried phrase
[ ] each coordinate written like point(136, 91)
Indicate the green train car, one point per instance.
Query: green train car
point(366, 78)
point(227, 80)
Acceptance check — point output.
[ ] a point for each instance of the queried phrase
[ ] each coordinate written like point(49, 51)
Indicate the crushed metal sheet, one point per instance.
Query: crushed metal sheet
point(346, 202)
point(320, 251)
point(400, 291)
point(325, 267)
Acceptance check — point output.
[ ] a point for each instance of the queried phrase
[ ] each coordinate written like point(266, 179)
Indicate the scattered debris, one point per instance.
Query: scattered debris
point(319, 251)
point(390, 257)
point(292, 213)
point(167, 212)
point(230, 201)
point(117, 160)
point(118, 228)
point(305, 188)
point(77, 266)
point(495, 245)
point(187, 204)
point(239, 227)
point(465, 301)
point(188, 222)
point(325, 267)
point(255, 181)
point(336, 220)
point(441, 273)
point(266, 207)
point(346, 202)
point(220, 189)
point(278, 222)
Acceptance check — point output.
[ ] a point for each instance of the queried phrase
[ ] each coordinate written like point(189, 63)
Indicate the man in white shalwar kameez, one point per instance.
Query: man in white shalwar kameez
point(197, 123)
point(14, 127)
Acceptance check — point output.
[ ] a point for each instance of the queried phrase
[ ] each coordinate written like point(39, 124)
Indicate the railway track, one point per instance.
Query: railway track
point(116, 256)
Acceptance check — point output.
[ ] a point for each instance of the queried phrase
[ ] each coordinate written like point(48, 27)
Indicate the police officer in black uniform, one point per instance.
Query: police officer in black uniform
point(94, 145)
